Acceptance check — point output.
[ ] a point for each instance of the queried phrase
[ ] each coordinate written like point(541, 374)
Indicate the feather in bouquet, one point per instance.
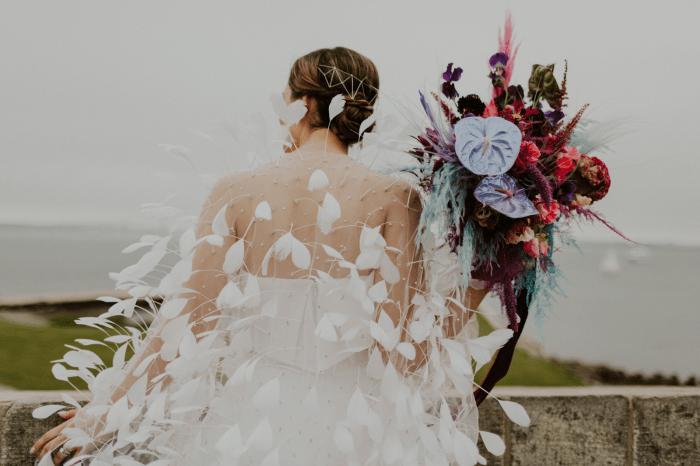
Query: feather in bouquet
point(503, 178)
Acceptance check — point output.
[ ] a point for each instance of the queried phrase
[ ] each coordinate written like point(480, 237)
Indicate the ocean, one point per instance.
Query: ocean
point(634, 308)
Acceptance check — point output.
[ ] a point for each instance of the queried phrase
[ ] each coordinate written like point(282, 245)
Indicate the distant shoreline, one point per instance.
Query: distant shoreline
point(47, 306)
point(147, 225)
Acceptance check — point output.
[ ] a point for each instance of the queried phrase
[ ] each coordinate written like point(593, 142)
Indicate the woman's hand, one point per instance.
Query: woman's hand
point(53, 439)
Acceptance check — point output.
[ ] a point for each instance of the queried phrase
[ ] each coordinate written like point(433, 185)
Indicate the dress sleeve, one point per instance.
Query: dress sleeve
point(187, 314)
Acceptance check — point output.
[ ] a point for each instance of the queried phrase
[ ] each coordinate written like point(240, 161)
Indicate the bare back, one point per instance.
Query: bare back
point(364, 199)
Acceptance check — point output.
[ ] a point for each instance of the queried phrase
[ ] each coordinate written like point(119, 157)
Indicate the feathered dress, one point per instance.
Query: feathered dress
point(280, 370)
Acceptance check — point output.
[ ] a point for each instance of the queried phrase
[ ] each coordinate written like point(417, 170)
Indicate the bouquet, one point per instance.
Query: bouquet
point(503, 177)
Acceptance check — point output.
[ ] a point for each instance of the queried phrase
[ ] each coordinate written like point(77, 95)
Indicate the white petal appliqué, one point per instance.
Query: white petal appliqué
point(45, 411)
point(252, 292)
point(337, 105)
point(234, 257)
point(327, 214)
point(325, 330)
point(295, 112)
point(263, 211)
point(267, 396)
point(219, 226)
point(378, 292)
point(173, 307)
point(392, 450)
point(301, 257)
point(493, 443)
point(269, 309)
point(343, 440)
point(407, 350)
point(261, 438)
point(515, 412)
point(357, 409)
point(318, 180)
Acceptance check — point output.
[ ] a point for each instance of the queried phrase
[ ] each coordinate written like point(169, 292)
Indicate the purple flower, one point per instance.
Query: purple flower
point(566, 191)
point(498, 59)
point(449, 90)
point(452, 76)
point(553, 117)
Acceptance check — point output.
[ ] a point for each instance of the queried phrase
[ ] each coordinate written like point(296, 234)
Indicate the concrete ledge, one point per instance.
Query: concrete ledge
point(620, 425)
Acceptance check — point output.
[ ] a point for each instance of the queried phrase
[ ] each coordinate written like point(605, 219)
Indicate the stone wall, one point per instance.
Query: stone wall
point(601, 426)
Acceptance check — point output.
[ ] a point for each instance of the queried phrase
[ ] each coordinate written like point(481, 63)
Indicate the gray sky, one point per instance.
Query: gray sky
point(89, 89)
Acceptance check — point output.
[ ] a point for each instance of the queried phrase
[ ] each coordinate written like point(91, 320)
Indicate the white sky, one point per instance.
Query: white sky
point(88, 89)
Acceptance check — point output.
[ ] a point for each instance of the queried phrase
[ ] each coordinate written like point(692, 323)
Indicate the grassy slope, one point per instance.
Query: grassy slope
point(526, 370)
point(26, 354)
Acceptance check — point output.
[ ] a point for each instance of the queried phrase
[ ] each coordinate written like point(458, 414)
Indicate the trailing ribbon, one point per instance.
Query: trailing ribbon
point(499, 367)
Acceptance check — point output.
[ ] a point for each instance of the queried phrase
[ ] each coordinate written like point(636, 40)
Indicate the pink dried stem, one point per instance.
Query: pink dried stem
point(590, 215)
point(505, 45)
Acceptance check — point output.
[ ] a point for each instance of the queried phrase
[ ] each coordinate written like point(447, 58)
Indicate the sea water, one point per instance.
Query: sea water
point(629, 307)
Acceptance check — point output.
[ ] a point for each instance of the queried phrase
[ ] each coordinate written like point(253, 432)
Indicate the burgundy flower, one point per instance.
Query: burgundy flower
point(471, 104)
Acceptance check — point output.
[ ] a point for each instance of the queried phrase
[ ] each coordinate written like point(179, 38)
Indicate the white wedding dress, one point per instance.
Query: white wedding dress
point(266, 349)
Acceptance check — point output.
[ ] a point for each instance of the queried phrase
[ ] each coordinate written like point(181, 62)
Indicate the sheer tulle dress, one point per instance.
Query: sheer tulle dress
point(303, 322)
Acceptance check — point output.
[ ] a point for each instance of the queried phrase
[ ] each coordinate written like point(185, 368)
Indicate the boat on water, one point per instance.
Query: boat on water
point(611, 263)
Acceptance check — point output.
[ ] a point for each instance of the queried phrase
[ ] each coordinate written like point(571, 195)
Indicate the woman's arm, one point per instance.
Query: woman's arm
point(453, 326)
point(206, 282)
point(399, 231)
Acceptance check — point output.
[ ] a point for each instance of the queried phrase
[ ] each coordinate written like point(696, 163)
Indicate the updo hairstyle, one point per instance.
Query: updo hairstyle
point(325, 73)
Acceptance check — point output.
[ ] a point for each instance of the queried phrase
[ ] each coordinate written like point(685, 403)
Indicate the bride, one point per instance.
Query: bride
point(309, 320)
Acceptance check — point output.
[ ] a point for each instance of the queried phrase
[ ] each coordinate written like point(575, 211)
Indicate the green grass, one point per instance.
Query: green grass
point(529, 371)
point(26, 353)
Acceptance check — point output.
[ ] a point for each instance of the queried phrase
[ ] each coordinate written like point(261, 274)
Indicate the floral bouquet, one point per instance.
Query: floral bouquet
point(504, 178)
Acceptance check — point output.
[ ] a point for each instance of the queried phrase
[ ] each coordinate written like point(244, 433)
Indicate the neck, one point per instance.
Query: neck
point(321, 139)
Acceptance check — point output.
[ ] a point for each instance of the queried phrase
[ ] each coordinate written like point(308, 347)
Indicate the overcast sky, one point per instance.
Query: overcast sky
point(88, 89)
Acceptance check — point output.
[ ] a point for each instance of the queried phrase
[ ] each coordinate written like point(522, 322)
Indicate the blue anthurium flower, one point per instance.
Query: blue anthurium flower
point(503, 194)
point(487, 146)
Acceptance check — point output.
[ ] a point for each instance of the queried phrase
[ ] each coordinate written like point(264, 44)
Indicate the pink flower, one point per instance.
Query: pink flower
point(547, 215)
point(529, 153)
point(571, 152)
point(491, 110)
point(566, 163)
point(532, 247)
point(544, 247)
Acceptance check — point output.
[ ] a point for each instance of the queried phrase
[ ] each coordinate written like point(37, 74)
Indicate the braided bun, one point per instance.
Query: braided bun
point(325, 73)
point(347, 124)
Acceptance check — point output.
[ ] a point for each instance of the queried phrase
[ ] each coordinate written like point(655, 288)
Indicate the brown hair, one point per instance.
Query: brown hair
point(325, 73)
